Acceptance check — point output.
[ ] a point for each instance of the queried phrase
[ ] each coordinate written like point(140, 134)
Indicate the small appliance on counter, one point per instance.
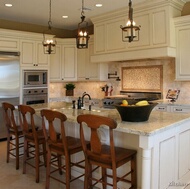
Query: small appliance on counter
point(172, 95)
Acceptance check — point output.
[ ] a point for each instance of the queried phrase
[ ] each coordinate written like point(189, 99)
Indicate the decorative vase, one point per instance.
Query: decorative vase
point(70, 92)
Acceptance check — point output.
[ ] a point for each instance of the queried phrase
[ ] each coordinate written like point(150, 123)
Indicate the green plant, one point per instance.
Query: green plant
point(69, 86)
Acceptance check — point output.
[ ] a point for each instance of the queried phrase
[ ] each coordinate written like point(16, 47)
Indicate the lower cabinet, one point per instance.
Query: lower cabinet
point(172, 108)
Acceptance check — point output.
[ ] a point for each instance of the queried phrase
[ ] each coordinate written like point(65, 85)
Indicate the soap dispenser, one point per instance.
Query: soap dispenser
point(79, 103)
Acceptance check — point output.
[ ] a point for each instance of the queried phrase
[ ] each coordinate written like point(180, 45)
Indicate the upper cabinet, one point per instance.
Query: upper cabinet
point(32, 53)
point(156, 36)
point(63, 64)
point(87, 70)
point(9, 41)
point(182, 25)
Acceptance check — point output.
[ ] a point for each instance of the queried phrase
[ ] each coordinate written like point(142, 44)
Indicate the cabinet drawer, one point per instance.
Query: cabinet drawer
point(180, 109)
point(161, 108)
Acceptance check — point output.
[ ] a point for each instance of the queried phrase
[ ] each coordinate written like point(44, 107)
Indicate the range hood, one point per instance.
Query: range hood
point(154, 53)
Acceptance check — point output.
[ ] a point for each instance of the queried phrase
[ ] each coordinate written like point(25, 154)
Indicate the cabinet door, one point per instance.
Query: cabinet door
point(81, 63)
point(41, 58)
point(27, 53)
point(69, 63)
point(92, 69)
point(55, 65)
point(9, 44)
point(32, 54)
point(183, 49)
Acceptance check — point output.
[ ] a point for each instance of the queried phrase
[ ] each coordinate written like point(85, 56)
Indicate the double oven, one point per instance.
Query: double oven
point(35, 86)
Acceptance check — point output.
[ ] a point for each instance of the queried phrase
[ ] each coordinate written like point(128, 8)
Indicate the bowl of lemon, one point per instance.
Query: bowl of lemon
point(135, 111)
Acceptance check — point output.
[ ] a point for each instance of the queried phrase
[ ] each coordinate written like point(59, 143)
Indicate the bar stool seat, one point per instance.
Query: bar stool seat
point(64, 146)
point(34, 140)
point(14, 133)
point(105, 156)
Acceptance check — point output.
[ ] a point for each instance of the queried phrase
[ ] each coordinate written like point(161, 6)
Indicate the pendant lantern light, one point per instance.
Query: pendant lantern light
point(49, 44)
point(130, 32)
point(83, 36)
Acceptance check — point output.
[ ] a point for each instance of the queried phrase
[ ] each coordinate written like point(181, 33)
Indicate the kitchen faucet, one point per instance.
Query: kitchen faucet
point(82, 103)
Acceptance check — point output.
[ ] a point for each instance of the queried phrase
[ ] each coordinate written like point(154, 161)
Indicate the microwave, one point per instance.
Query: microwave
point(35, 78)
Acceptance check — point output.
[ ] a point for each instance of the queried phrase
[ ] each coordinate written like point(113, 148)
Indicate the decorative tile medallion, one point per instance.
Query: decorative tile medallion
point(144, 78)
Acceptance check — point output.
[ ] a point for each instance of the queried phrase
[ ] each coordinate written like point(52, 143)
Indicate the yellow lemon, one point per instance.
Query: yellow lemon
point(124, 102)
point(142, 103)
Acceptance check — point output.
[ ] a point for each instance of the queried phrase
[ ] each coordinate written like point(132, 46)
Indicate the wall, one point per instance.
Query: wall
point(186, 9)
point(60, 33)
point(94, 88)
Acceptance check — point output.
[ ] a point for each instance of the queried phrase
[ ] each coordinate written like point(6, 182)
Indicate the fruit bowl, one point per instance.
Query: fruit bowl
point(134, 113)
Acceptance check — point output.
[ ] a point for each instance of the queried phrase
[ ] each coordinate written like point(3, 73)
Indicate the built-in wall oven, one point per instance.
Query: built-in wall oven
point(35, 87)
point(35, 96)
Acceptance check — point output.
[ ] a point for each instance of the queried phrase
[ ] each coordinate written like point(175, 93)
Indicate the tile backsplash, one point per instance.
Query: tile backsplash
point(94, 88)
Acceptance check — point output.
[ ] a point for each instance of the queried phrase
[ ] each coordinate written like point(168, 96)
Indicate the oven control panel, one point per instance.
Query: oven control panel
point(35, 91)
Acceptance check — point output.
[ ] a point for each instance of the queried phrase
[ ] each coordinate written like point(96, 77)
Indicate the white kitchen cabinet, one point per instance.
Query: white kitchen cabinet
point(55, 65)
point(182, 25)
point(9, 40)
point(88, 71)
point(9, 44)
point(63, 64)
point(156, 36)
point(32, 54)
point(176, 108)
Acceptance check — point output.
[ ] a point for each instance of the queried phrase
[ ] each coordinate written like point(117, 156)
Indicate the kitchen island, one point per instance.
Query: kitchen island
point(162, 143)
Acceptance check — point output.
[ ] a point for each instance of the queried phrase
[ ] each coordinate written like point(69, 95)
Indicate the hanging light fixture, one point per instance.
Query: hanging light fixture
point(130, 32)
point(82, 37)
point(48, 43)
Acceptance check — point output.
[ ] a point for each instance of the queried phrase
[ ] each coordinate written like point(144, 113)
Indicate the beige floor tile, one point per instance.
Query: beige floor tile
point(10, 178)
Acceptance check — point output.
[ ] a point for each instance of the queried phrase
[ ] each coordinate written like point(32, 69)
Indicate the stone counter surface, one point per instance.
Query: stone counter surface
point(158, 121)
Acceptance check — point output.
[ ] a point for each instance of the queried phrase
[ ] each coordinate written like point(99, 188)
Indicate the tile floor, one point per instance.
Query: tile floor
point(10, 178)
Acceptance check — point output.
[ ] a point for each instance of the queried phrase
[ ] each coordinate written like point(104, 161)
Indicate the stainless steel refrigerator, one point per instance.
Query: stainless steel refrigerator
point(9, 84)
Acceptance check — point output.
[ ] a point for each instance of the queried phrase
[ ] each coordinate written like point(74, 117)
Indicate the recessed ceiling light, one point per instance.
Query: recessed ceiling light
point(8, 5)
point(64, 16)
point(98, 5)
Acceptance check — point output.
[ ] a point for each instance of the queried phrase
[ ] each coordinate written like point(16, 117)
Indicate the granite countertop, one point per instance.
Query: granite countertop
point(158, 121)
point(177, 103)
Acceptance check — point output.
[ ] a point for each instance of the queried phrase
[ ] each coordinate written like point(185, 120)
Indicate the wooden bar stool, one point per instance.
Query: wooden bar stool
point(14, 133)
point(33, 138)
point(62, 146)
point(105, 156)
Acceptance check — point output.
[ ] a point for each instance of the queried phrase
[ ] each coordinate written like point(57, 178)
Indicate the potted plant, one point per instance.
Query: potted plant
point(69, 89)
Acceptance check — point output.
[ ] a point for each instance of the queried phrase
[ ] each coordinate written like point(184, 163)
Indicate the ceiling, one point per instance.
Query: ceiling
point(37, 11)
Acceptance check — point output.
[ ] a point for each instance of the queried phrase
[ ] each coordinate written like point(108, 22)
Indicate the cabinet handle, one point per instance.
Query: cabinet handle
point(177, 109)
point(62, 78)
point(87, 78)
point(160, 108)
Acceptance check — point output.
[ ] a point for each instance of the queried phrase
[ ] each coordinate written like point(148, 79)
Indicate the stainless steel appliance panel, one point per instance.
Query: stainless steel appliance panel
point(35, 96)
point(9, 84)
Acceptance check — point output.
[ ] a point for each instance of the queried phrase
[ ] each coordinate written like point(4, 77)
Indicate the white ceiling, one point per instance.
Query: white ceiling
point(37, 11)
